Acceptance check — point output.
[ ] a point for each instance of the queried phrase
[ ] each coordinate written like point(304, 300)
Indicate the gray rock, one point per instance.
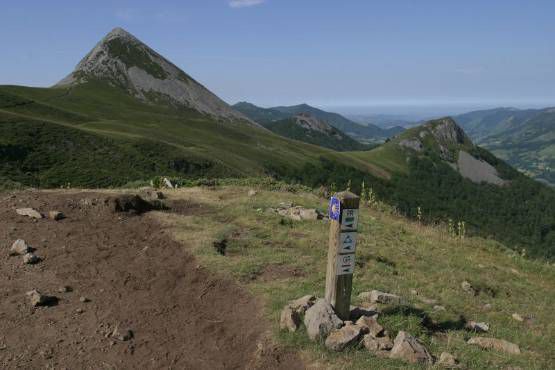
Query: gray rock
point(302, 304)
point(122, 335)
point(448, 361)
point(29, 212)
point(55, 215)
point(479, 327)
point(375, 296)
point(37, 299)
point(347, 336)
point(500, 345)
point(370, 326)
point(408, 348)
point(467, 287)
point(289, 319)
point(413, 144)
point(30, 259)
point(374, 344)
point(19, 247)
point(320, 320)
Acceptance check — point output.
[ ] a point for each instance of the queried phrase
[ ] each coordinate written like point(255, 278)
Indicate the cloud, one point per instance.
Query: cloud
point(245, 3)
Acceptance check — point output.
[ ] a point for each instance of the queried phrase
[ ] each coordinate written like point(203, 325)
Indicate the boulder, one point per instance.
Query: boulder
point(302, 304)
point(374, 344)
point(478, 327)
point(409, 349)
point(289, 319)
point(347, 336)
point(375, 296)
point(55, 215)
point(495, 344)
point(30, 259)
point(320, 320)
point(448, 361)
point(370, 326)
point(29, 212)
point(36, 299)
point(19, 247)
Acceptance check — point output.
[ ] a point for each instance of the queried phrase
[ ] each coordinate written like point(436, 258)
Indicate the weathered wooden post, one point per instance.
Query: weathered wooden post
point(343, 211)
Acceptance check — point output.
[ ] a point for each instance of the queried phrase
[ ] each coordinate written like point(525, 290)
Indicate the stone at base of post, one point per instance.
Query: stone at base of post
point(339, 286)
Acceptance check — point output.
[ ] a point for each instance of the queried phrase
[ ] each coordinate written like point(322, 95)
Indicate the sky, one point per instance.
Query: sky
point(352, 55)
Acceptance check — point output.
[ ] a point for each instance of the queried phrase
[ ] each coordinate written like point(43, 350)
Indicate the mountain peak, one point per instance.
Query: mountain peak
point(122, 60)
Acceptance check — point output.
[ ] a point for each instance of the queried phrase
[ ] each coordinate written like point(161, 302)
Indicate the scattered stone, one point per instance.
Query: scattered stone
point(374, 344)
point(302, 304)
point(357, 312)
point(517, 317)
point(448, 361)
point(347, 336)
point(252, 193)
point(29, 212)
point(467, 287)
point(478, 327)
point(79, 310)
point(370, 326)
point(375, 296)
point(122, 335)
point(84, 299)
point(56, 215)
point(408, 348)
point(289, 319)
point(19, 247)
point(65, 289)
point(30, 259)
point(320, 320)
point(495, 344)
point(38, 299)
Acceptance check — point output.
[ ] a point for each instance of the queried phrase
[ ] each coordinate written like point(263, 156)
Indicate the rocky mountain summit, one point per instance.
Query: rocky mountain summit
point(124, 61)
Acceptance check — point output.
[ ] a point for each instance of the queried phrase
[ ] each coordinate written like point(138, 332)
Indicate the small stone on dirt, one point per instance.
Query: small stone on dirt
point(448, 361)
point(408, 348)
point(320, 320)
point(289, 319)
point(495, 344)
point(19, 247)
point(479, 327)
point(29, 212)
point(375, 296)
point(122, 335)
point(370, 326)
point(55, 215)
point(339, 339)
point(65, 289)
point(30, 259)
point(38, 299)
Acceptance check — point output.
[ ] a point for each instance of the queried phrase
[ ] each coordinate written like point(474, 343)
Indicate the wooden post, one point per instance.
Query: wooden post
point(341, 252)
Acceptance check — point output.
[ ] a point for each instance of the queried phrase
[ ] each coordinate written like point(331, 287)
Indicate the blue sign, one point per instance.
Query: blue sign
point(334, 209)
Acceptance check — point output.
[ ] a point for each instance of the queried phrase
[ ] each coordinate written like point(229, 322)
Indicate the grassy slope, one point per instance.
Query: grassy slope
point(111, 114)
point(393, 255)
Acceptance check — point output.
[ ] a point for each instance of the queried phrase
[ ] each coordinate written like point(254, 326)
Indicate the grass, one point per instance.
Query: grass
point(279, 260)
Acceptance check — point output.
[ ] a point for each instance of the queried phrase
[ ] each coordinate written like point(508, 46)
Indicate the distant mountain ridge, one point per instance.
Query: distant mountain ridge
point(124, 61)
point(370, 133)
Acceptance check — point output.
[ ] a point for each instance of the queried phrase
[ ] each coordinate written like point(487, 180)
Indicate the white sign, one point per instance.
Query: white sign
point(349, 219)
point(345, 264)
point(347, 242)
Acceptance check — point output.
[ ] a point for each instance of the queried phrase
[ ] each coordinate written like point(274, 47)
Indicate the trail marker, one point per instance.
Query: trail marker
point(343, 210)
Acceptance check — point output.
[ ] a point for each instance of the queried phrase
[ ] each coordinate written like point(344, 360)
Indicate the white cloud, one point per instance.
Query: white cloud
point(244, 3)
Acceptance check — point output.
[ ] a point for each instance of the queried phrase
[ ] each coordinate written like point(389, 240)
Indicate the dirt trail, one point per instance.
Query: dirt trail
point(135, 276)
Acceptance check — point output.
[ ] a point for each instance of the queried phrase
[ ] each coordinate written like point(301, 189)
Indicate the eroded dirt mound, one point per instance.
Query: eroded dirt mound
point(128, 295)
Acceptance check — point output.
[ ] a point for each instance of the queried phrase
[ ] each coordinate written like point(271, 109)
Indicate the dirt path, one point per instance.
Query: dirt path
point(134, 276)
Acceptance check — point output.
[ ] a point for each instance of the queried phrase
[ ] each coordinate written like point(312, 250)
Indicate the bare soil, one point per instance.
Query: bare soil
point(133, 276)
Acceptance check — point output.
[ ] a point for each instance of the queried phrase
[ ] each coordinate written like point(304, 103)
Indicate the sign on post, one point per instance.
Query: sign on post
point(343, 213)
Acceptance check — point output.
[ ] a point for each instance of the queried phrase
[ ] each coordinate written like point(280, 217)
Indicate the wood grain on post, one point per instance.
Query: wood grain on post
point(338, 287)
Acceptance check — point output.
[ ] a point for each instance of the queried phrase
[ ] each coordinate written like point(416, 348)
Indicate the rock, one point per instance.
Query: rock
point(374, 344)
point(448, 361)
point(65, 289)
point(495, 344)
point(347, 336)
point(252, 193)
point(56, 215)
point(517, 317)
point(289, 319)
point(408, 348)
point(357, 312)
point(467, 287)
point(438, 308)
point(302, 304)
point(320, 320)
point(38, 299)
point(84, 299)
point(370, 326)
point(29, 212)
point(130, 203)
point(309, 214)
point(375, 296)
point(123, 335)
point(19, 247)
point(167, 183)
point(30, 259)
point(479, 327)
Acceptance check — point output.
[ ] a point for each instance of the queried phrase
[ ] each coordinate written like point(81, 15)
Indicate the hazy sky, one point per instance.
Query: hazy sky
point(328, 53)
